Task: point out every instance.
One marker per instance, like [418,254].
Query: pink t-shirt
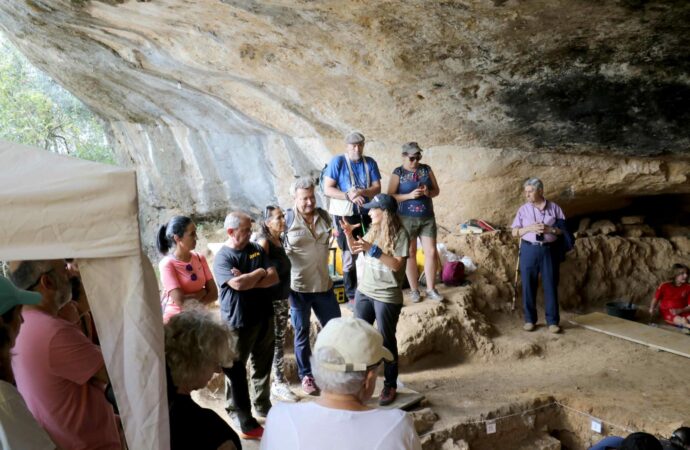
[175,275]
[53,362]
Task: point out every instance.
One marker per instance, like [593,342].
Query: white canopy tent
[55,207]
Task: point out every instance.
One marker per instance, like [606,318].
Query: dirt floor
[567,379]
[473,362]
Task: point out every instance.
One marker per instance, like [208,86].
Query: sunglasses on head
[189,268]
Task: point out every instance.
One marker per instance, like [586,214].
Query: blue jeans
[536,260]
[325,307]
[386,316]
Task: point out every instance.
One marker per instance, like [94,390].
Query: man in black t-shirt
[243,275]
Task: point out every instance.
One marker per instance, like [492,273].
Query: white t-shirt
[18,428]
[309,426]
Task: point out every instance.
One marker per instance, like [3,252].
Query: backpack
[290,217]
[453,273]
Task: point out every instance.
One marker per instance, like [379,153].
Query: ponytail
[162,243]
[175,227]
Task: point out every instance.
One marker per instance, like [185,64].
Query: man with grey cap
[355,178]
[347,355]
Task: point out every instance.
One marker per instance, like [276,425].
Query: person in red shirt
[673,299]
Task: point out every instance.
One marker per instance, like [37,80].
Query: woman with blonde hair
[379,297]
[196,347]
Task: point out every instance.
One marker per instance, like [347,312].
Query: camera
[540,237]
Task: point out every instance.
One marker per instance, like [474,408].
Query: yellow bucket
[335,254]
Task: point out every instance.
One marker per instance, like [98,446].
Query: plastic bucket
[624,310]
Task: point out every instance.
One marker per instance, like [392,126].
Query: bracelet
[375,251]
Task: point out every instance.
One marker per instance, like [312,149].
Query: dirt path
[619,382]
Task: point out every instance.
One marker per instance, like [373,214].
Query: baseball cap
[410,148]
[354,138]
[382,201]
[360,344]
[11,296]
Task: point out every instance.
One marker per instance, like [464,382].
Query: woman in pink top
[184,273]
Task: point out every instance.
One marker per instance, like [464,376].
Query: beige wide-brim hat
[360,344]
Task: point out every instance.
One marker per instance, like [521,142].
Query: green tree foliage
[35,110]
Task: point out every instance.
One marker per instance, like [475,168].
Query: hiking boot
[433,294]
[415,296]
[555,329]
[528,326]
[309,386]
[387,396]
[253,434]
[282,393]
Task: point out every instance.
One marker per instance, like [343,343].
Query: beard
[63,294]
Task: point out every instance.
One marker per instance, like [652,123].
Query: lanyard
[353,183]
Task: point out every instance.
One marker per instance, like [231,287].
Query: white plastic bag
[446,255]
[469,265]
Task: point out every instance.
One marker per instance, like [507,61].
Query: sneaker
[528,326]
[415,296]
[281,392]
[555,329]
[686,330]
[433,294]
[253,434]
[387,396]
[309,386]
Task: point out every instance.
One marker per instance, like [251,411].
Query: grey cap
[354,138]
[410,148]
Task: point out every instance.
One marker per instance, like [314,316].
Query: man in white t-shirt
[345,362]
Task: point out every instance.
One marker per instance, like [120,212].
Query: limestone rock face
[219,104]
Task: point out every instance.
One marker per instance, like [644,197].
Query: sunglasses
[189,268]
[415,158]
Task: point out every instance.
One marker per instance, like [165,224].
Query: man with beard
[306,244]
[355,178]
[59,371]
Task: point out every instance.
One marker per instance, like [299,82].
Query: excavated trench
[474,364]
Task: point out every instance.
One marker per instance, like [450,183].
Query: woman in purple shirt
[535,224]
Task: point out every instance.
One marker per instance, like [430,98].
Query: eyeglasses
[189,268]
[38,280]
[415,158]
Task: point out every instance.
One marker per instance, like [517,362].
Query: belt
[538,244]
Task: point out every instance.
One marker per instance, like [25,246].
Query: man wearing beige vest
[306,244]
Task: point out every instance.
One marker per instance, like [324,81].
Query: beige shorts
[419,226]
